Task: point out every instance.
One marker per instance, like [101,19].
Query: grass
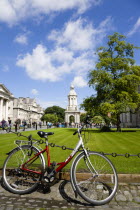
[120,143]
[112,142]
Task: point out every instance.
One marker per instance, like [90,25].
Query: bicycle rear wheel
[20,181]
[94,178]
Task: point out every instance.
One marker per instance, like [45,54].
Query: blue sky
[45,46]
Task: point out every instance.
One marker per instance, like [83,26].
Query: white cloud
[14,11]
[79,82]
[80,34]
[44,65]
[73,52]
[135,28]
[21,39]
[76,35]
[38,64]
[34,92]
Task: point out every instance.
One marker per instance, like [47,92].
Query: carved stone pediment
[5,93]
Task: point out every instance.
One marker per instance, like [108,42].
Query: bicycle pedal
[46,189]
[53,164]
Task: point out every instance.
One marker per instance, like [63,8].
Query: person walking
[40,124]
[24,124]
[3,124]
[9,123]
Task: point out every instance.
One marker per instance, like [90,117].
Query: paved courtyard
[61,196]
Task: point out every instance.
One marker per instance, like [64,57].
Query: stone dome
[72,91]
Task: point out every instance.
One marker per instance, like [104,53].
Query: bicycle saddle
[44,134]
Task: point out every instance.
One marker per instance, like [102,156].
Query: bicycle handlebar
[75,132]
[78,131]
[87,121]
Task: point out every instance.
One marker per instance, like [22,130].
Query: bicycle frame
[60,165]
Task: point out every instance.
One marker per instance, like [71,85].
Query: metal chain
[114,154]
[127,155]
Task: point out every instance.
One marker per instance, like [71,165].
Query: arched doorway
[72,119]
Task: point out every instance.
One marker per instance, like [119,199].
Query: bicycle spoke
[18,180]
[94,179]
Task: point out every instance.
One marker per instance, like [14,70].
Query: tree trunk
[118,123]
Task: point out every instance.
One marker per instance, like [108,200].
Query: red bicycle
[92,174]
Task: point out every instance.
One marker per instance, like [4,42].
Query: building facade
[72,112]
[130,119]
[25,109]
[6,103]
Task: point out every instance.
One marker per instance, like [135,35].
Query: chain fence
[124,163]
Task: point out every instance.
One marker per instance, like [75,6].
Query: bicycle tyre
[17,180]
[95,189]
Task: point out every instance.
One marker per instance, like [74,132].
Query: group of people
[4,124]
[23,124]
[8,124]
[18,124]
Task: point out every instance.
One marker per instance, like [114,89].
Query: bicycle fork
[89,165]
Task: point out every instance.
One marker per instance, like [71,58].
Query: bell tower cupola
[72,100]
[72,109]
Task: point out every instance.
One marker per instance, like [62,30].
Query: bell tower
[72,110]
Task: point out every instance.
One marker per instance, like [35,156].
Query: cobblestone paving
[61,196]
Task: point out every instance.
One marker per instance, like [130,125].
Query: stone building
[131,119]
[27,109]
[18,108]
[6,103]
[72,112]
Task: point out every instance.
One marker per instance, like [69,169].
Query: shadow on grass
[95,130]
[85,130]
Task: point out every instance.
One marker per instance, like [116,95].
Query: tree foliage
[50,118]
[83,117]
[115,78]
[98,120]
[56,110]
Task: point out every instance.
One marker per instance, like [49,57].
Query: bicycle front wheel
[94,178]
[22,180]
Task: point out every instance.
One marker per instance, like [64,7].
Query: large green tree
[115,78]
[56,110]
[50,118]
[83,117]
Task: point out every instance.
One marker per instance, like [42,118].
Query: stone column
[6,110]
[66,117]
[75,116]
[78,118]
[1,109]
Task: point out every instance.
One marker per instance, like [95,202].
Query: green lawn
[113,142]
